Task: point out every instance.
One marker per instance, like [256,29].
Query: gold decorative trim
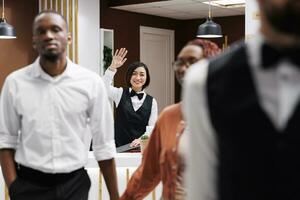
[100,186]
[127,175]
[226,41]
[48,4]
[6,192]
[256,15]
[54,7]
[42,5]
[70,13]
[76,32]
[59,6]
[69,10]
[64,13]
[64,9]
[153,195]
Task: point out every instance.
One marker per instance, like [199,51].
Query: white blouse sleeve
[153,115]
[114,93]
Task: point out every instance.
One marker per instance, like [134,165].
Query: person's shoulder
[171,110]
[233,56]
[19,73]
[81,71]
[170,114]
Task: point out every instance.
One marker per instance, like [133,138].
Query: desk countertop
[122,160]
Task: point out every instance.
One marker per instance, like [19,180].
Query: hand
[135,143]
[11,182]
[119,58]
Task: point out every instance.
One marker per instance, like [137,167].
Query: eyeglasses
[180,63]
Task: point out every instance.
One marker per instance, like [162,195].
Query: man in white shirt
[47,109]
[243,112]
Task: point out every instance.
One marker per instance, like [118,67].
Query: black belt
[45,179]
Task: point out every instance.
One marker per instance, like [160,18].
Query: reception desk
[126,165]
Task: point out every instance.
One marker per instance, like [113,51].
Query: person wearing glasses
[162,160]
[135,109]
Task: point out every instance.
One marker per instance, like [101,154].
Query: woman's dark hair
[131,69]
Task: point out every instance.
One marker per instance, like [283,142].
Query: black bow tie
[139,95]
[271,56]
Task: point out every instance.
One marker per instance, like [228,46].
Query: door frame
[169,78]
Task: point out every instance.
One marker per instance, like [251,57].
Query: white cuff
[110,73]
[105,151]
[8,141]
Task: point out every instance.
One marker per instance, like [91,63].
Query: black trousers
[35,185]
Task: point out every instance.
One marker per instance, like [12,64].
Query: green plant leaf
[107,52]
[144,137]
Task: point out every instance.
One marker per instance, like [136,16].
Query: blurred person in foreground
[243,113]
[54,104]
[161,159]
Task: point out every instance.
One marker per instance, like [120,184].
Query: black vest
[256,162]
[130,124]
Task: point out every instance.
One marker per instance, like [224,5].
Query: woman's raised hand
[119,58]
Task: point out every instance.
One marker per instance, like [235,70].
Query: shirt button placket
[53,124]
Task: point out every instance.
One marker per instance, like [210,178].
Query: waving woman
[135,109]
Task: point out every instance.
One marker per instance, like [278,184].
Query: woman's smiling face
[138,79]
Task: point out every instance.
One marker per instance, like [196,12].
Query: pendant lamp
[209,29]
[6,31]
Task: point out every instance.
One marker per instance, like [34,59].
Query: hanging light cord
[2,9]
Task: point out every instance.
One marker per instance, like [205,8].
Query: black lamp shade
[6,30]
[209,29]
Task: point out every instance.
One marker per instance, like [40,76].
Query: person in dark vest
[243,111]
[135,109]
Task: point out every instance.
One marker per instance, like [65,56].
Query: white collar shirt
[49,121]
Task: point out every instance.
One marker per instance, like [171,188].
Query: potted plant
[143,142]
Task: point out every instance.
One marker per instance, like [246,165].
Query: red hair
[209,48]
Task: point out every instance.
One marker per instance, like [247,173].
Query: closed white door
[157,52]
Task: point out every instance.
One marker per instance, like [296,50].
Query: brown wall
[18,52]
[233,27]
[126,32]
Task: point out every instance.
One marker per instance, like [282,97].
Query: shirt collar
[143,91]
[37,70]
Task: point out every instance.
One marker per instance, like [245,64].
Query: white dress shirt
[278,92]
[115,95]
[55,116]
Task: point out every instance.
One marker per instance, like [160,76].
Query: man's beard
[285,19]
[51,57]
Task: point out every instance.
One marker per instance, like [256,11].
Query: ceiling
[181,9]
